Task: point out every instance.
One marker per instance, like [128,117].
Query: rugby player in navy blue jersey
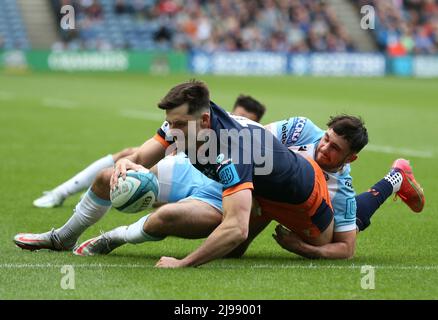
[290,188]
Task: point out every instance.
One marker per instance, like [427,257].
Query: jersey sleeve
[344,206]
[295,131]
[234,168]
[162,135]
[234,176]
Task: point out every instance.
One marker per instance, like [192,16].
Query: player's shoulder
[245,122]
[295,130]
[345,173]
[221,119]
[342,194]
[342,181]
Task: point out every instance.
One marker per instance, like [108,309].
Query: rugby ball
[137,192]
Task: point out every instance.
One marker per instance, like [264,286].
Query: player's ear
[205,120]
[352,158]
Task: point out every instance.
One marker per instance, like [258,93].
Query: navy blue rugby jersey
[243,155]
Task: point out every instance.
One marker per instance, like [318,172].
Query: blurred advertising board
[72,61]
[269,63]
[425,66]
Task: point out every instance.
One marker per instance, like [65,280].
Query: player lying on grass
[163,222]
[290,188]
[244,106]
[189,193]
[335,161]
[334,150]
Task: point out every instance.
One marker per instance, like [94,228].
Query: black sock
[368,202]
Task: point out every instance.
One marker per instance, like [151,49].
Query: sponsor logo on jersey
[227,172]
[296,130]
[284,133]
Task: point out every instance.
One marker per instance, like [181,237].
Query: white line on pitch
[138,114]
[400,151]
[259,266]
[59,103]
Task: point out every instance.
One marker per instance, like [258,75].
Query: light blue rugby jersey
[301,135]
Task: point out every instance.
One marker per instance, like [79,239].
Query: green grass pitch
[53,125]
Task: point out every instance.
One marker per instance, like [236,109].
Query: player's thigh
[197,210]
[188,217]
[124,153]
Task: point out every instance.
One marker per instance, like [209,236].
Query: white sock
[395,178]
[87,212]
[132,234]
[85,178]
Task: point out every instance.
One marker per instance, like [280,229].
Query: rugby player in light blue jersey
[301,135]
[334,150]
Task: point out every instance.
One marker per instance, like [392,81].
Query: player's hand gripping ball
[136,193]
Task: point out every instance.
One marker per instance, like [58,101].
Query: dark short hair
[195,93]
[251,105]
[352,129]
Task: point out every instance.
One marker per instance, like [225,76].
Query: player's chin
[321,160]
[324,164]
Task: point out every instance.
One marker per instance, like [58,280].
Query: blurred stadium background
[313,37]
[68,97]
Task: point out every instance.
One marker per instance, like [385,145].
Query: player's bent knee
[103,178]
[167,214]
[164,219]
[101,184]
[154,226]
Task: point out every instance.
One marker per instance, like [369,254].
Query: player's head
[344,139]
[246,106]
[188,102]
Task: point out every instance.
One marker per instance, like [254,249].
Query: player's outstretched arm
[232,231]
[147,156]
[149,153]
[342,246]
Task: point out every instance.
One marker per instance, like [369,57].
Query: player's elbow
[344,251]
[348,252]
[238,234]
[241,234]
